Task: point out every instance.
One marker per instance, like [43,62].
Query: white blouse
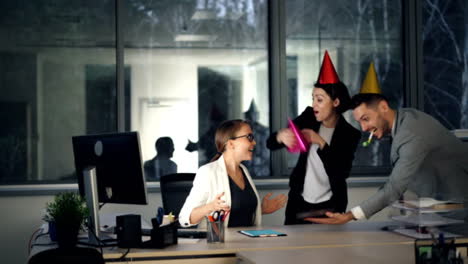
[211,180]
[316,183]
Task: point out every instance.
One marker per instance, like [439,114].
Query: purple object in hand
[301,143]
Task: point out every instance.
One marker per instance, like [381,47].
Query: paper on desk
[411,232]
[183,240]
[428,205]
[44,227]
[426,219]
[461,133]
[424,202]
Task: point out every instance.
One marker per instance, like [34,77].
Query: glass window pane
[57,77]
[355,33]
[445,58]
[194,64]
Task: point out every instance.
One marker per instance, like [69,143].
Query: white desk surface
[299,237]
[351,254]
[357,240]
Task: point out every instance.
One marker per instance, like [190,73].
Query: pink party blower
[301,143]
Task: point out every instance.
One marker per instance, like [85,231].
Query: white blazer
[211,180]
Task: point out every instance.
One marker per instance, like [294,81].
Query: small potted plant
[68,211]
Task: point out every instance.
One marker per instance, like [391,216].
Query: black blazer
[337,157]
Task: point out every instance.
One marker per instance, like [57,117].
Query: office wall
[157,101]
[164,88]
[62,85]
[21,216]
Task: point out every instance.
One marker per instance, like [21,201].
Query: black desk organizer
[162,236]
[440,251]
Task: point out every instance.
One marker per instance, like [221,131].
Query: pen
[160,215]
[171,217]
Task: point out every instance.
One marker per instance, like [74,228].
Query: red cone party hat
[327,72]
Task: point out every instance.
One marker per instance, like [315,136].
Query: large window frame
[411,61]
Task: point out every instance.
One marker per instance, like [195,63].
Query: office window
[57,79]
[187,65]
[445,58]
[355,33]
[194,64]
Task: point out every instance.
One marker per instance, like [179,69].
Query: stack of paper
[411,232]
[430,203]
[426,220]
[461,133]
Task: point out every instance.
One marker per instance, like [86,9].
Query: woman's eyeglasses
[250,137]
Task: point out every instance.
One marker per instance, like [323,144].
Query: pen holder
[215,231]
[163,236]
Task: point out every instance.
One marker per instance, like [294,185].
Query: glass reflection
[354,33]
[195,64]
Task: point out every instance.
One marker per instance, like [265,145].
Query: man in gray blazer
[427,159]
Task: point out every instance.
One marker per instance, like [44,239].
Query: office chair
[174,190]
[75,255]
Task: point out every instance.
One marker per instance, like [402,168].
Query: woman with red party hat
[318,182]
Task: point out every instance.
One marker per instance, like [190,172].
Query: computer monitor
[117,160]
[108,168]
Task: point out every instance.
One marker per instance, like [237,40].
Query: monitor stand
[92,201]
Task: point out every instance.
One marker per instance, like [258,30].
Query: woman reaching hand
[225,184]
[318,182]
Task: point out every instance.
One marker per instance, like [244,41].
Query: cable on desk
[30,239]
[43,234]
[95,246]
[124,255]
[44,244]
[100,243]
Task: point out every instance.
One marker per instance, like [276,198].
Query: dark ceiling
[157,23]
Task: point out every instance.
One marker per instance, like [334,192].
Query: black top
[243,204]
[337,159]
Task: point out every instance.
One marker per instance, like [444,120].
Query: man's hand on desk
[333,218]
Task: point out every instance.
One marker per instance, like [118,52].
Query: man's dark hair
[370,99]
[164,145]
[337,90]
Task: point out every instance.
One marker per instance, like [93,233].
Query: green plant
[68,209]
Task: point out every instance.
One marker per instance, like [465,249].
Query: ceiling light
[195,37]
[205,14]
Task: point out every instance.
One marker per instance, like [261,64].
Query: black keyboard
[145,232]
[191,233]
[186,233]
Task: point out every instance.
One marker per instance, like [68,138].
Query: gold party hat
[371,82]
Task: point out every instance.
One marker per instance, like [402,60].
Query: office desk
[353,238]
[382,253]
[350,254]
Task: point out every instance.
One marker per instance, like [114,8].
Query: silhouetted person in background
[161,164]
[204,146]
[259,166]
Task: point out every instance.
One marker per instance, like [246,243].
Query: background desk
[361,241]
[402,253]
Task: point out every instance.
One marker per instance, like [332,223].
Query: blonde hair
[224,132]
